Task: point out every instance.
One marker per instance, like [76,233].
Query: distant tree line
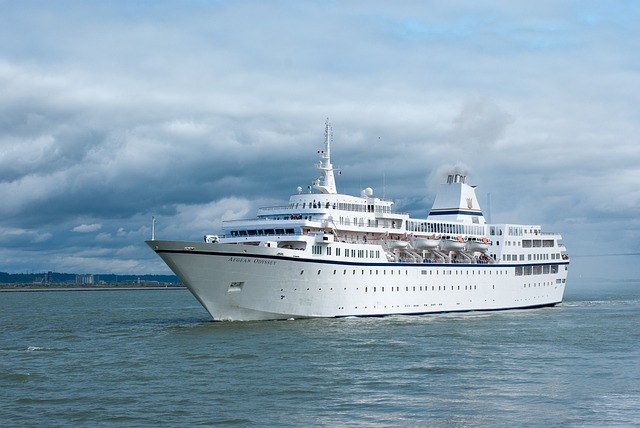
[108,278]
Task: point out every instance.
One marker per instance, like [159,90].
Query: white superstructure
[327,254]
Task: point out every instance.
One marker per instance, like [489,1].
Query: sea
[155,358]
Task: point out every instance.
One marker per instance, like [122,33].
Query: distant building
[46,279]
[86,279]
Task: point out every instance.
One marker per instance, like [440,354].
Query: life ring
[484,240]
[460,238]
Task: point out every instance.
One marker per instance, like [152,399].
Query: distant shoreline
[72,287]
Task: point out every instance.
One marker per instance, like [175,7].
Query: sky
[201,111]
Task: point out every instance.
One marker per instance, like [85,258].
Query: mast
[326,183]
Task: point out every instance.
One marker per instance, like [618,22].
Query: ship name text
[255,261]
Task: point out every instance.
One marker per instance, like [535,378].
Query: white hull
[239,282]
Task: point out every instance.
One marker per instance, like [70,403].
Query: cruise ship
[327,254]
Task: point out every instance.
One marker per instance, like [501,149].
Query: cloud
[203,111]
[480,124]
[86,228]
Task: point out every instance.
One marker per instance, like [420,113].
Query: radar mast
[326,183]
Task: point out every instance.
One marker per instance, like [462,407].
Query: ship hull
[242,282]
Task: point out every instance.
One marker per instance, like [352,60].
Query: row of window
[409,288]
[360,254]
[537,243]
[531,243]
[346,221]
[426,288]
[451,228]
[540,284]
[515,230]
[343,206]
[361,222]
[422,272]
[530,257]
[262,232]
[536,270]
[440,287]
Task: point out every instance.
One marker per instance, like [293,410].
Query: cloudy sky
[200,111]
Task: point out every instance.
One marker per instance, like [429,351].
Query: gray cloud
[199,111]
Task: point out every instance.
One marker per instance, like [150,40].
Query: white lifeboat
[452,243]
[478,244]
[425,243]
[397,244]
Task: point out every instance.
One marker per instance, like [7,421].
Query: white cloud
[86,228]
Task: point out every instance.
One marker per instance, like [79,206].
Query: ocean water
[153,358]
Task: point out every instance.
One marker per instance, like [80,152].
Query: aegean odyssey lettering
[255,261]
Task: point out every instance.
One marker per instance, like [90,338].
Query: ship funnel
[456,201]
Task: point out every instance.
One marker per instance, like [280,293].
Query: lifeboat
[425,243]
[452,243]
[477,244]
[397,244]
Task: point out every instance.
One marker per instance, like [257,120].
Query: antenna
[384,175]
[153,228]
[326,183]
[384,184]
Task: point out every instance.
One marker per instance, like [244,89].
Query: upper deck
[454,230]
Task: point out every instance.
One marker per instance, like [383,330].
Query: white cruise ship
[327,254]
